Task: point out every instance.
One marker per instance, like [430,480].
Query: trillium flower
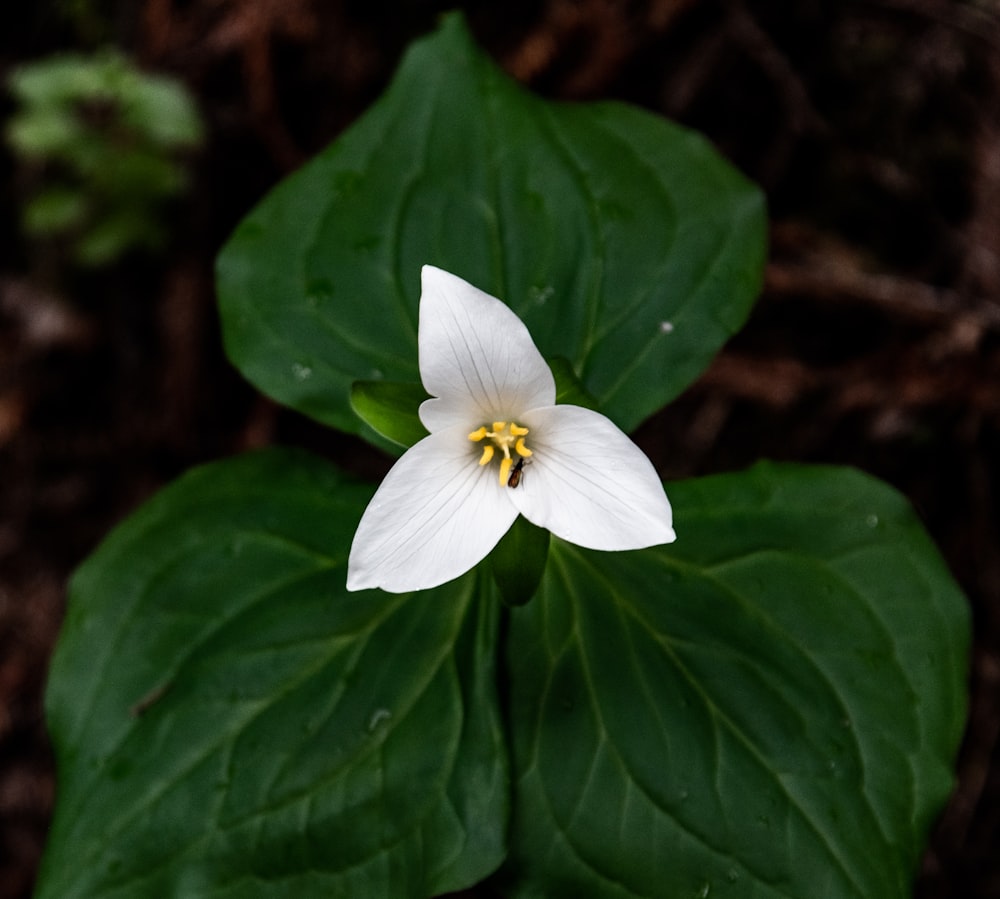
[498,447]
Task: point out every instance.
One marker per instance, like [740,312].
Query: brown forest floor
[873,126]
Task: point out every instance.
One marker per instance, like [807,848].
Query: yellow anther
[509,439]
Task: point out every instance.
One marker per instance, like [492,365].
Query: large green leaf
[230,722]
[767,708]
[623,241]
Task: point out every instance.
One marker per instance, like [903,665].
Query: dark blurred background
[874,128]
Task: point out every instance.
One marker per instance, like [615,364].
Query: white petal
[476,356]
[589,484]
[436,515]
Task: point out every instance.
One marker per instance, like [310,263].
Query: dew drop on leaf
[540,295]
[379,716]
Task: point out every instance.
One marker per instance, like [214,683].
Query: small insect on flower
[515,474]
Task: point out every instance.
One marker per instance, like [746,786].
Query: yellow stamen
[508,438]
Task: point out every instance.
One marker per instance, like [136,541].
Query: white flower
[498,447]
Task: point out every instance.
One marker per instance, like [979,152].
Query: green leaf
[55,209]
[229,721]
[390,409]
[60,80]
[767,708]
[43,133]
[518,561]
[114,234]
[624,242]
[569,390]
[163,111]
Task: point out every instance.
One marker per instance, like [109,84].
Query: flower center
[505,436]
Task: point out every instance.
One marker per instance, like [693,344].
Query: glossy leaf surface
[389,408]
[230,722]
[767,708]
[625,243]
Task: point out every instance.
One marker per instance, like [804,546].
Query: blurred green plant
[103,144]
